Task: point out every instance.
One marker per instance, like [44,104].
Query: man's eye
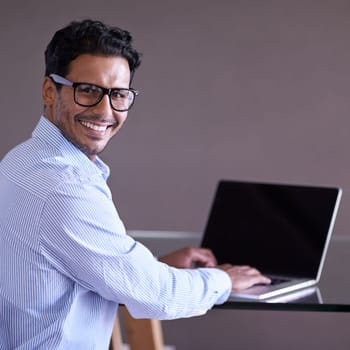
[88,89]
[120,94]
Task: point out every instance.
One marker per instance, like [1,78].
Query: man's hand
[190,257]
[243,277]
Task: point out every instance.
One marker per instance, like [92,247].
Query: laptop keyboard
[275,281]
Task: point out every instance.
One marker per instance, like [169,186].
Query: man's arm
[83,238]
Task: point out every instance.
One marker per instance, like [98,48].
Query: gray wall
[230,89]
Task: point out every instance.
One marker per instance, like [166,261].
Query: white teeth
[94,126]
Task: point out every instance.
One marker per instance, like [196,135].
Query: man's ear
[48,92]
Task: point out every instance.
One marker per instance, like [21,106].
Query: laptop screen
[279,229]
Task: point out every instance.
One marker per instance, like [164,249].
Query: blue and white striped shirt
[66,261]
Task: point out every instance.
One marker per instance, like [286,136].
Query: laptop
[283,230]
[308,295]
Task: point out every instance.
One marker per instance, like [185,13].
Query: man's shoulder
[38,167]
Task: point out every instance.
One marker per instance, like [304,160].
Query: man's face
[88,128]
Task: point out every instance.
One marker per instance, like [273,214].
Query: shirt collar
[49,133]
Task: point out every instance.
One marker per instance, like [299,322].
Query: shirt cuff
[222,285]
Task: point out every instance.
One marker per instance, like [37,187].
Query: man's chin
[89,151]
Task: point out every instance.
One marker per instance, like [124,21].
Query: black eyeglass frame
[57,79]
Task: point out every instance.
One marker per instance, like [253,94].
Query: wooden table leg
[145,334]
[116,340]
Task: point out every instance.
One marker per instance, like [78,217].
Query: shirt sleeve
[84,239]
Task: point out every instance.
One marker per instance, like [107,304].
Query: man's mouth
[95,127]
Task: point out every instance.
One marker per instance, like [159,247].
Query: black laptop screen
[279,229]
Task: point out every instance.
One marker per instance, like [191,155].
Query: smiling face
[88,128]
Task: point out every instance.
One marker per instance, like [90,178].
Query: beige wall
[230,89]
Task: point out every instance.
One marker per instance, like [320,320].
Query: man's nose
[104,106]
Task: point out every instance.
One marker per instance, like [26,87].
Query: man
[66,261]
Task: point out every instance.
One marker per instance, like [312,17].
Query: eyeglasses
[89,95]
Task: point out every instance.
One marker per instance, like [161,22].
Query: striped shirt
[66,261]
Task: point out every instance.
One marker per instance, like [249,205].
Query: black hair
[88,37]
